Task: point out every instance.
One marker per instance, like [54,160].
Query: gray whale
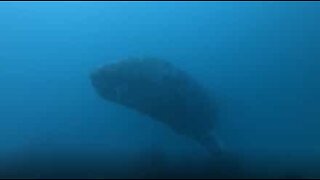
[161,91]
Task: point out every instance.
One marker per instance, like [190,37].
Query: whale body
[160,90]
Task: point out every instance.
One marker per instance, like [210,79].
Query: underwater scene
[150,89]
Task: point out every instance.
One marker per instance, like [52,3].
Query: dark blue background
[259,59]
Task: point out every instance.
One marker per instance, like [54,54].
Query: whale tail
[224,163]
[213,145]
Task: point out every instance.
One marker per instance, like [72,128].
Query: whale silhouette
[163,92]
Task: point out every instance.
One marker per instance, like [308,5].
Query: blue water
[260,60]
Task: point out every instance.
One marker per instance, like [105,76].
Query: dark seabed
[259,61]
